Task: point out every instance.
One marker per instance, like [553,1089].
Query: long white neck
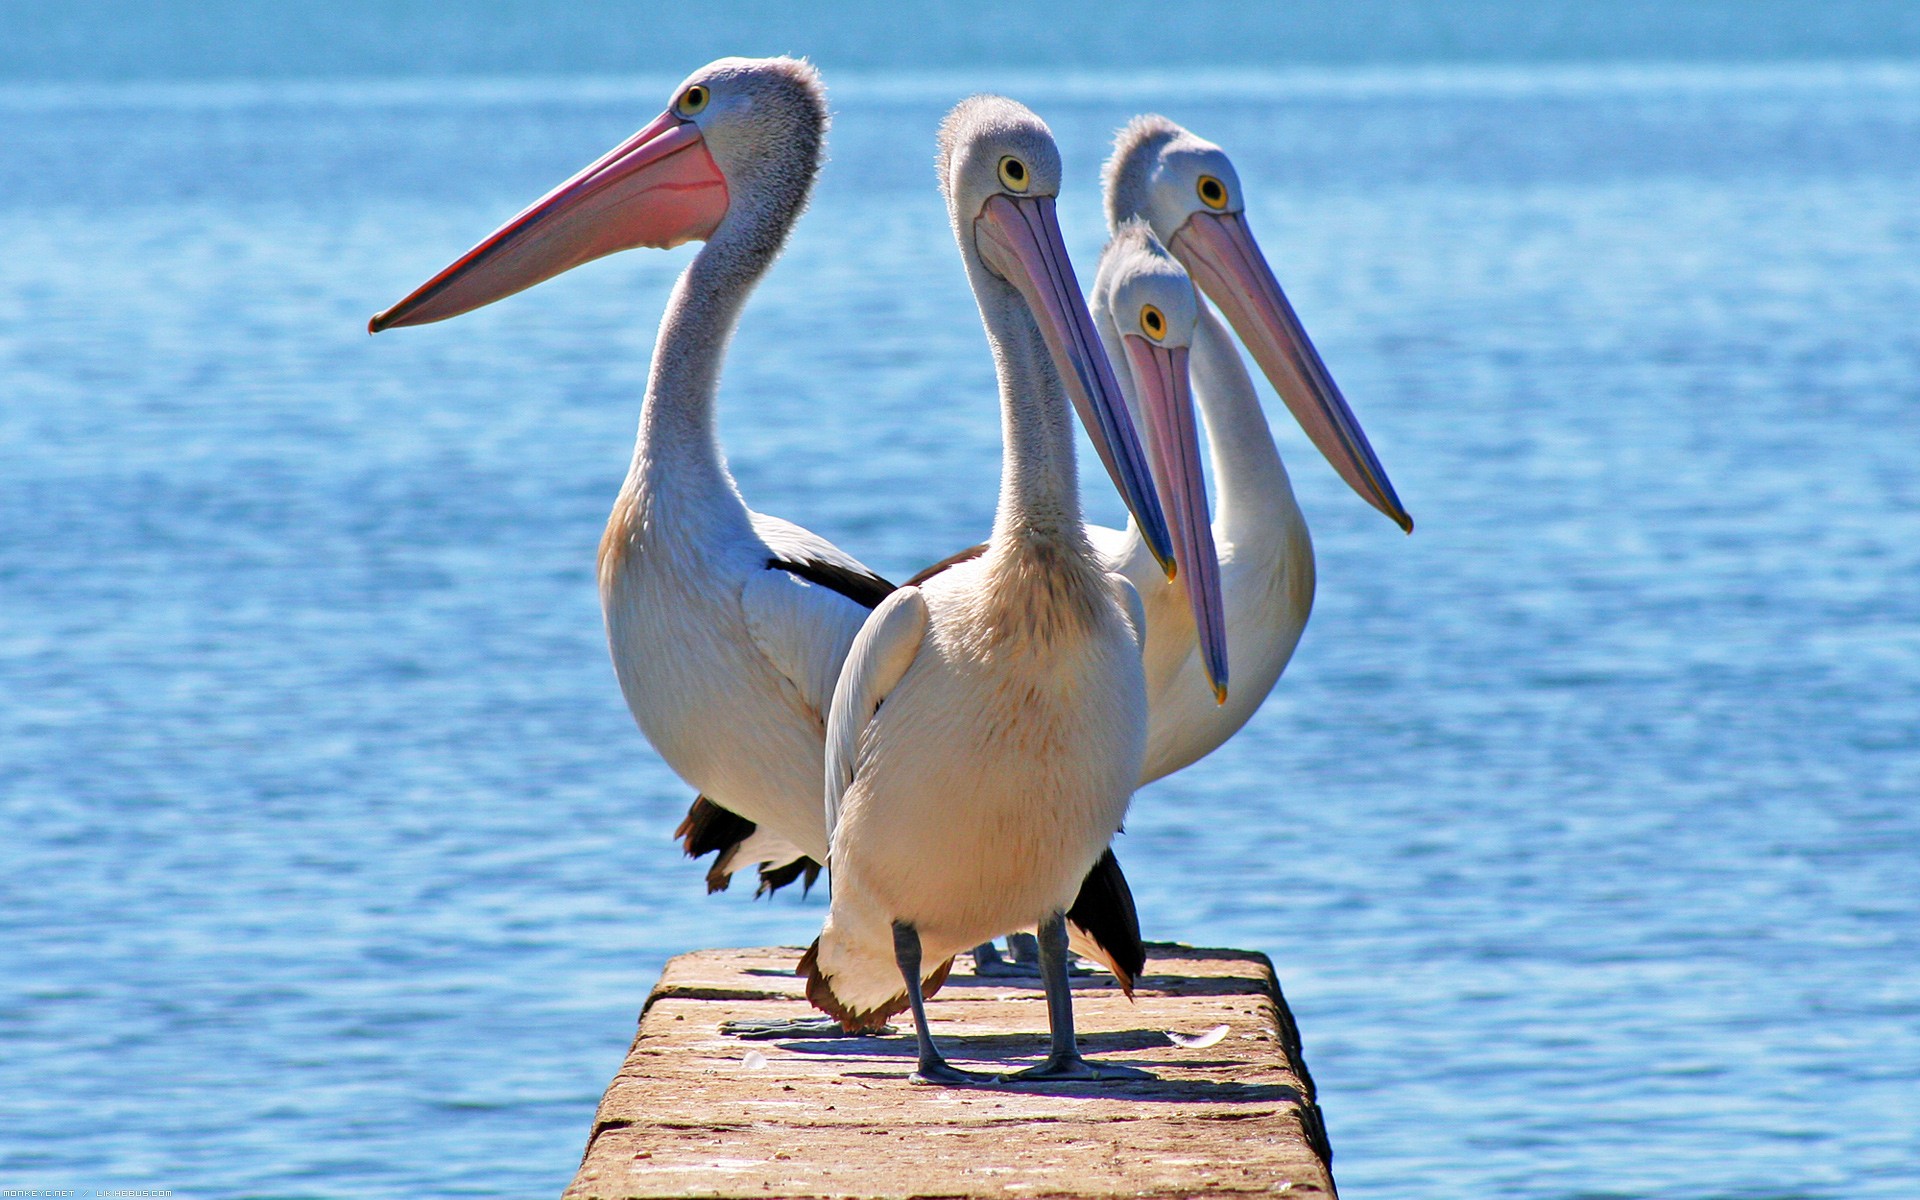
[676,456]
[1039,484]
[1251,487]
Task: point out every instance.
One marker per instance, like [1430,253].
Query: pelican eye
[1153,322]
[1213,193]
[1014,174]
[694,100]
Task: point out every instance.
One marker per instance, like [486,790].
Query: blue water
[1582,828]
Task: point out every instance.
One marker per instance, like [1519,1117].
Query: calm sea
[1583,829]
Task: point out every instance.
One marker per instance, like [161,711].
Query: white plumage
[978,798]
[1265,554]
[1184,190]
[725,635]
[989,725]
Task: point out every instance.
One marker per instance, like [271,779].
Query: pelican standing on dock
[1187,191]
[727,627]
[1168,189]
[988,728]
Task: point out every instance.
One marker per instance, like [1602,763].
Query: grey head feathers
[1129,170]
[975,136]
[1133,247]
[1136,269]
[766,128]
[977,116]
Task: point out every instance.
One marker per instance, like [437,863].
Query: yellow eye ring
[1014,174]
[694,100]
[1213,193]
[1153,322]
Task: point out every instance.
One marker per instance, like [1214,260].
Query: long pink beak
[1166,399]
[1219,251]
[660,188]
[1019,238]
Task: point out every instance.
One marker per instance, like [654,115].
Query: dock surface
[696,1113]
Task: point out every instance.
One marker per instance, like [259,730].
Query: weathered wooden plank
[695,1113]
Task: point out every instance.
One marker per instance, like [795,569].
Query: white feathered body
[993,773]
[727,665]
[1267,588]
[1266,571]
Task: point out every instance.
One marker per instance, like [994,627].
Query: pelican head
[1000,172]
[1186,189]
[732,158]
[1145,303]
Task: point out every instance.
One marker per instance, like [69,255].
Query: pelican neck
[1250,482]
[678,447]
[1039,483]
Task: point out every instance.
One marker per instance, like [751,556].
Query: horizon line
[1489,80]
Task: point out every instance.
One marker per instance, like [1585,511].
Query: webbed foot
[1074,1069]
[941,1073]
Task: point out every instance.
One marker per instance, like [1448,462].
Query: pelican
[1165,186]
[727,627]
[1187,194]
[989,725]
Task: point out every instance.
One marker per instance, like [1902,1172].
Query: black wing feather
[862,587]
[708,828]
[1104,909]
[951,560]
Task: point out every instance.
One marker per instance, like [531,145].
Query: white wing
[880,656]
[792,541]
[804,627]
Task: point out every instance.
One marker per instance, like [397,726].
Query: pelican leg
[1064,1063]
[932,1067]
[1025,949]
[1024,963]
[988,963]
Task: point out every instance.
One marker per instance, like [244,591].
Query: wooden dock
[696,1113]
